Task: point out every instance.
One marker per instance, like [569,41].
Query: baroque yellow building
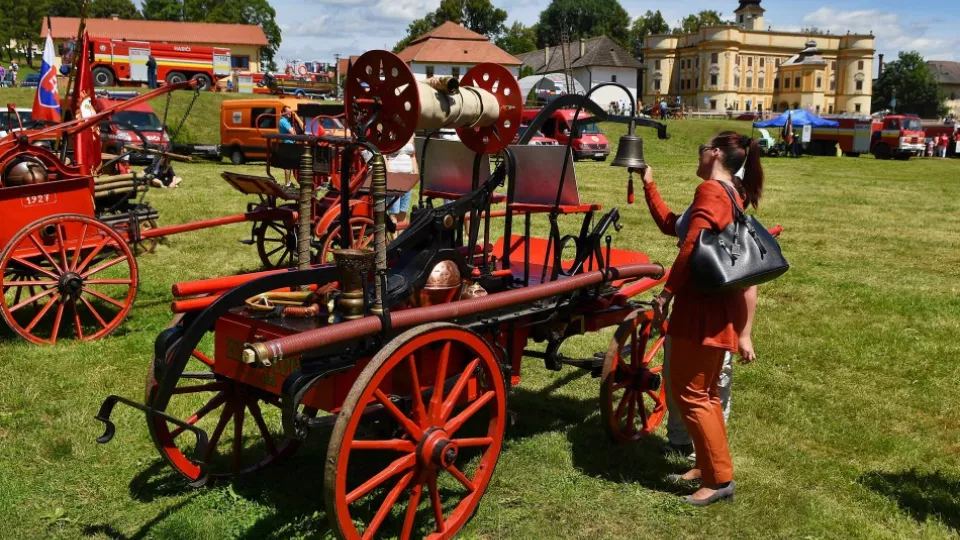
[744,67]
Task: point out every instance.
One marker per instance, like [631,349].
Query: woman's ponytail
[741,156]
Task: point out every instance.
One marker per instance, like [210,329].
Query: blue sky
[316,29]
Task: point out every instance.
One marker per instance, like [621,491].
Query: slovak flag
[46,105]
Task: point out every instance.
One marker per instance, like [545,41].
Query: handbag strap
[739,216]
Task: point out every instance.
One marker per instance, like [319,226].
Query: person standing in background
[942,143]
[151,72]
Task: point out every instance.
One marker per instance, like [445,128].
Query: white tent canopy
[551,82]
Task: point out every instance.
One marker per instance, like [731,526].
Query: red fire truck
[893,136]
[120,62]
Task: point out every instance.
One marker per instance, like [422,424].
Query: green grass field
[845,427]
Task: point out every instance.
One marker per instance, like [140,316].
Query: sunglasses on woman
[705,147]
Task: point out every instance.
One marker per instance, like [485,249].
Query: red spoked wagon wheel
[633,397]
[361,237]
[444,444]
[244,424]
[66,274]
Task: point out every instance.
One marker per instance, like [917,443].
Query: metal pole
[305,208]
[378,187]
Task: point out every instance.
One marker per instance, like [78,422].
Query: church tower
[750,15]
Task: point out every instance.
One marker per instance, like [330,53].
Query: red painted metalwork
[265,215]
[497,80]
[381,78]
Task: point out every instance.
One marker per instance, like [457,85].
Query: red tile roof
[454,44]
[174,32]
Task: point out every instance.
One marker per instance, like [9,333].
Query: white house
[592,62]
[451,49]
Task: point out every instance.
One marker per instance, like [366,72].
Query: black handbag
[743,254]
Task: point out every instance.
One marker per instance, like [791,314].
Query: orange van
[242,141]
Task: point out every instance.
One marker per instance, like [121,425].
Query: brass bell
[630,152]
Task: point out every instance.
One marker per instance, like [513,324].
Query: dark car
[32,80]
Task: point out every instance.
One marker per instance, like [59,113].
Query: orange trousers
[694,378]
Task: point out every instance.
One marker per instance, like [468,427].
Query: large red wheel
[382,77]
[497,80]
[66,274]
[361,236]
[633,397]
[442,443]
[244,424]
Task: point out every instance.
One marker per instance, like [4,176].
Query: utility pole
[336,80]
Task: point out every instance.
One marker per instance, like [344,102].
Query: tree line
[574,19]
[21,20]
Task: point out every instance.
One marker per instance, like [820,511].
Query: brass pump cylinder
[378,188]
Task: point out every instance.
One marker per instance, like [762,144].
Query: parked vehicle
[121,129]
[590,142]
[119,62]
[894,136]
[244,122]
[312,84]
[539,139]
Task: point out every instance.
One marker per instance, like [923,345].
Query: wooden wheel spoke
[656,369]
[622,405]
[419,411]
[643,411]
[408,425]
[435,503]
[212,405]
[46,254]
[387,505]
[43,311]
[397,445]
[34,267]
[92,255]
[56,322]
[398,466]
[103,266]
[453,425]
[411,513]
[462,478]
[209,387]
[29,283]
[76,255]
[104,297]
[473,442]
[262,426]
[61,243]
[108,282]
[94,312]
[238,437]
[457,390]
[76,321]
[436,400]
[270,254]
[225,416]
[32,299]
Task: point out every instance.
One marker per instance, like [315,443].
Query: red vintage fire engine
[120,62]
[894,136]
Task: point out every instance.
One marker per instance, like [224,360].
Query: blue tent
[798,118]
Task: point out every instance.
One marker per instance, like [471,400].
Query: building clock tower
[750,15]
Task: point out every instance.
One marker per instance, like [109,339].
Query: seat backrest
[448,166]
[538,175]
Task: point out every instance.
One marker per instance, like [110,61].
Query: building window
[860,65]
[819,82]
[698,82]
[763,62]
[736,59]
[714,58]
[750,61]
[856,107]
[830,109]
[713,104]
[796,83]
[713,79]
[786,83]
[429,71]
[833,84]
[455,72]
[656,84]
[656,64]
[736,81]
[613,78]
[777,62]
[698,61]
[859,86]
[953,96]
[263,117]
[796,105]
[749,81]
[776,83]
[833,65]
[240,62]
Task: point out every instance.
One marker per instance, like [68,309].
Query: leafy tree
[21,20]
[104,9]
[691,24]
[257,12]
[163,10]
[583,20]
[518,39]
[913,83]
[479,16]
[649,23]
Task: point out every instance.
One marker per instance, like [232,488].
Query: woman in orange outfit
[704,327]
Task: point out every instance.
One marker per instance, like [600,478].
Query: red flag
[86,144]
[788,129]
